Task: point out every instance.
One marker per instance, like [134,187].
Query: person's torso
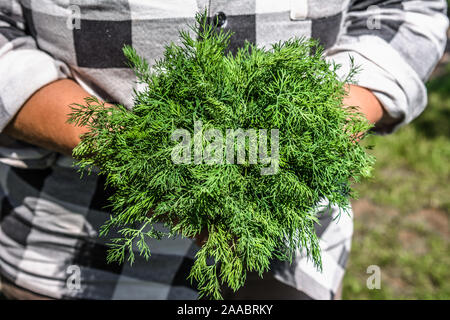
[89,35]
[55,215]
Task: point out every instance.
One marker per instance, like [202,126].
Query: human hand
[200,239]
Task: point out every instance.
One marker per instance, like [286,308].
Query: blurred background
[402,214]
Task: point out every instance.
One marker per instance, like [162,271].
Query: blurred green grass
[402,215]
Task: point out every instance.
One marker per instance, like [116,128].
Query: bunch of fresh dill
[251,218]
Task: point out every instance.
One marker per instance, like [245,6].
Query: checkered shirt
[49,217]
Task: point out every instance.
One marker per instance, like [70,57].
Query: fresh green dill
[250,218]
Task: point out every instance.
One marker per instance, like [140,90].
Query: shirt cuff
[383,71]
[23,72]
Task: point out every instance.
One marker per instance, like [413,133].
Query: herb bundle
[250,218]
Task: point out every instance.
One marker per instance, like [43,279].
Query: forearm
[365,102]
[42,120]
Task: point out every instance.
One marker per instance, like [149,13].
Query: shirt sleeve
[396,44]
[24,68]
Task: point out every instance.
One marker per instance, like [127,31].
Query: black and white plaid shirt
[50,218]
